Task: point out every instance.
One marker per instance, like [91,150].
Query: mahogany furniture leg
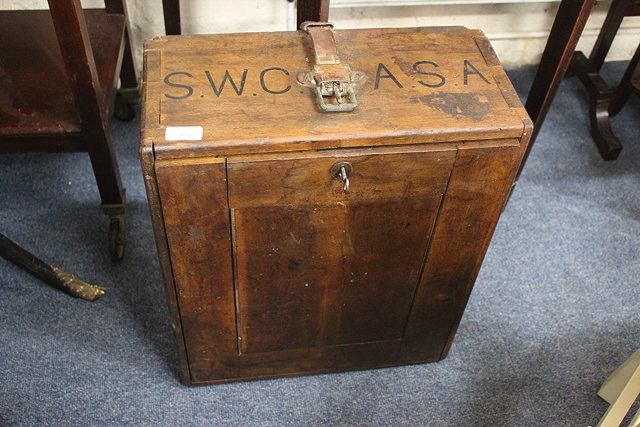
[50,274]
[313,10]
[563,38]
[128,77]
[630,82]
[129,92]
[308,10]
[603,101]
[171,11]
[608,144]
[77,54]
[608,32]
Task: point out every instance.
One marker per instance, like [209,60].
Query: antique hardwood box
[320,210]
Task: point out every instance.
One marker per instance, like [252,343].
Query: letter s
[440,76]
[169,83]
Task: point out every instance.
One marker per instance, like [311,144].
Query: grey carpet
[554,311]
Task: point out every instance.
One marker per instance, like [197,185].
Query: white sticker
[183,133]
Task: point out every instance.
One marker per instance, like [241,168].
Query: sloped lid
[242,93]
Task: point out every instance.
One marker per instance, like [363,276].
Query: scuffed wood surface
[422,85]
[275,269]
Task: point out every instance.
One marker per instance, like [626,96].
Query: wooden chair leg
[603,101]
[171,11]
[565,33]
[129,92]
[313,10]
[616,13]
[600,94]
[73,38]
[621,389]
[627,84]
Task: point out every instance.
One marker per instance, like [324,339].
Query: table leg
[563,38]
[617,11]
[603,101]
[628,83]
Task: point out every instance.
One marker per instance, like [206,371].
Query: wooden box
[272,266]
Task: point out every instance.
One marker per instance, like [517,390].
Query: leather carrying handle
[331,77]
[324,45]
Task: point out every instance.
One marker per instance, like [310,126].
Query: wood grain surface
[421,85]
[37,94]
[318,275]
[276,270]
[196,221]
[480,183]
[307,178]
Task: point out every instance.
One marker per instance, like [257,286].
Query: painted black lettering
[439,76]
[388,75]
[169,83]
[467,66]
[226,77]
[264,87]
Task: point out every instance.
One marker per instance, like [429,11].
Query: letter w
[226,77]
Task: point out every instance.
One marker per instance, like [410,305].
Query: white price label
[183,133]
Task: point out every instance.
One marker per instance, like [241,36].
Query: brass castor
[116,238]
[123,108]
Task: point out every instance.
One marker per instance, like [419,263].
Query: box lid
[245,93]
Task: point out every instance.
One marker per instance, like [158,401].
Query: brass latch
[331,78]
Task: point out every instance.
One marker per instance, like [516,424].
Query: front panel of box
[319,266]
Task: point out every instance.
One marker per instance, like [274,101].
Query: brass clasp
[340,90]
[331,78]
